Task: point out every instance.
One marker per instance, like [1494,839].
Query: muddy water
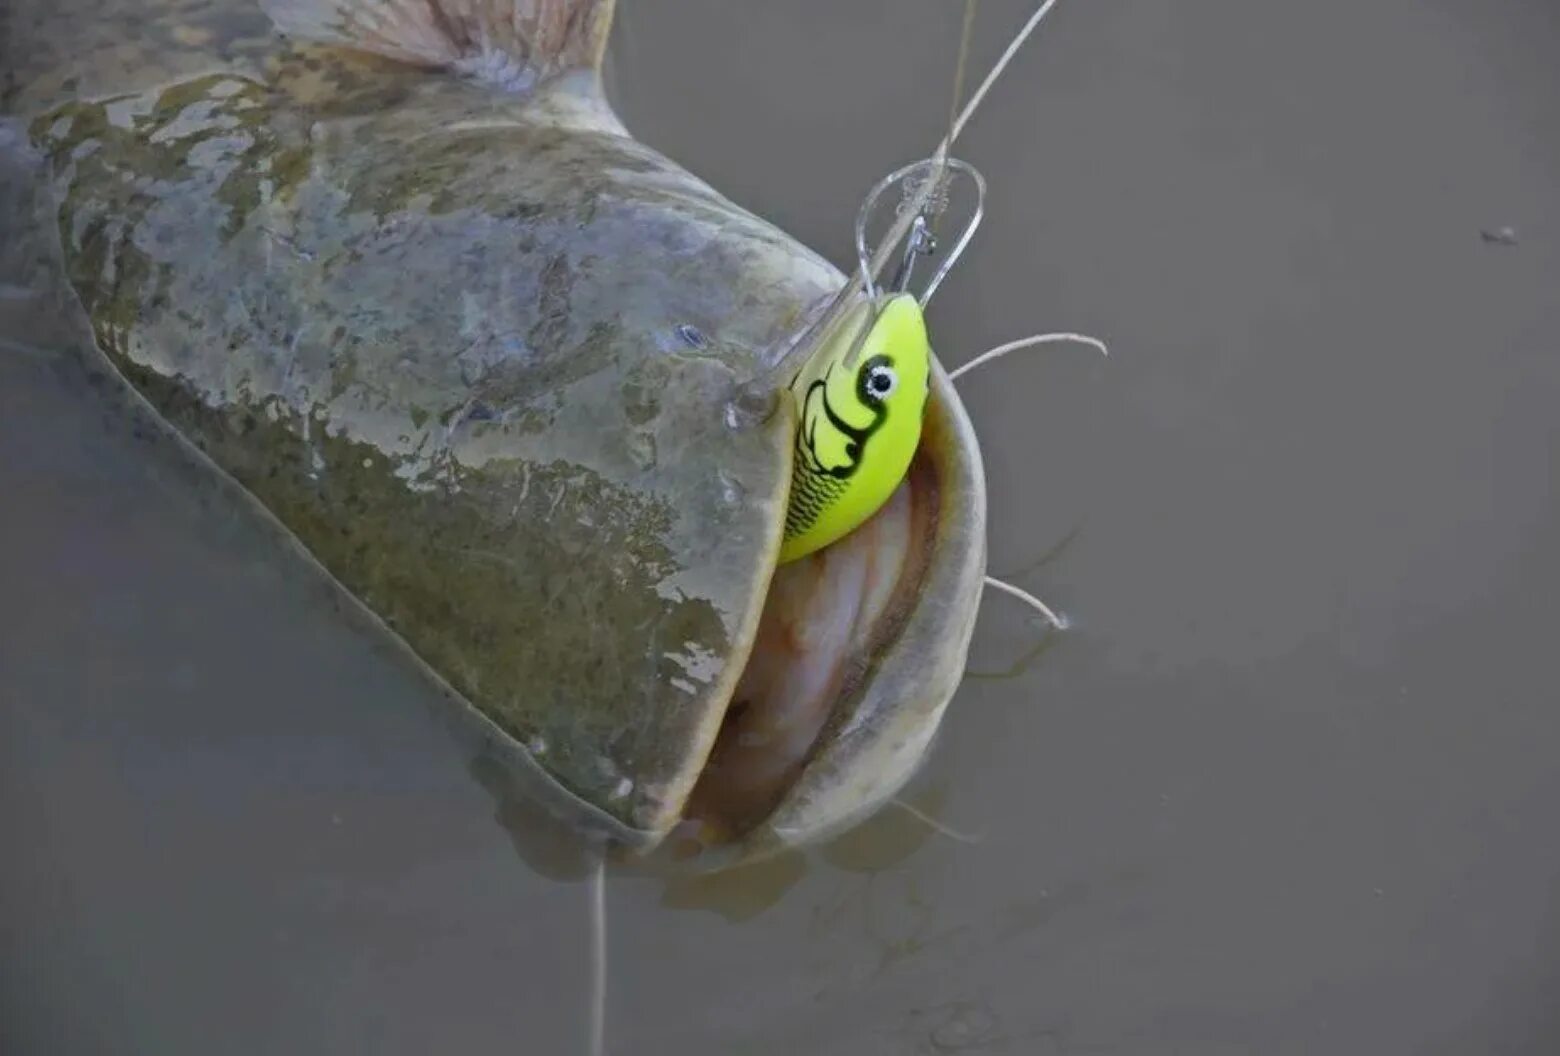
[1287,786]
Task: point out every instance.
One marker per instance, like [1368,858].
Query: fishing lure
[857,428]
[861,397]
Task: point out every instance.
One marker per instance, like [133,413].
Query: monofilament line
[1056,621]
[598,955]
[985,86]
[932,823]
[966,34]
[779,373]
[901,226]
[1027,342]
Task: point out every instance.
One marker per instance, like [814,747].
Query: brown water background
[1290,785]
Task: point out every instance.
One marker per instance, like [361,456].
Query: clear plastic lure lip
[926,186]
[760,395]
[921,242]
[926,193]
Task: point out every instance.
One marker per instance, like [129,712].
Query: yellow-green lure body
[858,424]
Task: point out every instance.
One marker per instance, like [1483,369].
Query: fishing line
[597,892]
[966,33]
[932,823]
[755,400]
[902,225]
[985,86]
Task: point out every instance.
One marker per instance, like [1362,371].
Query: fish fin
[513,43]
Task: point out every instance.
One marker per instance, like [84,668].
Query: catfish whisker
[1027,342]
[1059,622]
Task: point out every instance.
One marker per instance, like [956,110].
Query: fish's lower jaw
[824,619]
[860,650]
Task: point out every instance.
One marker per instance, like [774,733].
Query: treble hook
[921,242]
[918,176]
[755,399]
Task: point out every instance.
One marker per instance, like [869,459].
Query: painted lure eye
[878,381]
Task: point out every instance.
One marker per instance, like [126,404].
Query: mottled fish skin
[475,351]
[442,334]
[55,51]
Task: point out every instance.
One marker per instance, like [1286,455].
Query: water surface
[1288,786]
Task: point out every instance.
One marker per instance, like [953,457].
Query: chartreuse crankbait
[862,394]
[857,425]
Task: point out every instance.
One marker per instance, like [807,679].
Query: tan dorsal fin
[514,43]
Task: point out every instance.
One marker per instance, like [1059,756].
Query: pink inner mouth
[826,617]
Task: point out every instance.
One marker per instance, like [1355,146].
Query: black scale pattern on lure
[815,487]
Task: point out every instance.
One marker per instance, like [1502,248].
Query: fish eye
[878,379]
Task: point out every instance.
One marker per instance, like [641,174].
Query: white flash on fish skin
[194,118]
[537,744]
[698,663]
[563,487]
[121,113]
[641,448]
[622,788]
[692,336]
[731,490]
[496,67]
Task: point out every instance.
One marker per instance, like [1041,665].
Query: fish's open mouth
[858,649]
[826,617]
